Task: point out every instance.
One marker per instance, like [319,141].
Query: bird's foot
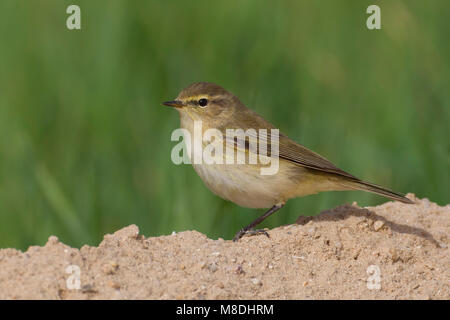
[250,232]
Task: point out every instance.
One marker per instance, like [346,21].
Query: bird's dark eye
[203,102]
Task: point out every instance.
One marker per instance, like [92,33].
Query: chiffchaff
[300,171]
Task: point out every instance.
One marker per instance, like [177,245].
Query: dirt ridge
[392,251]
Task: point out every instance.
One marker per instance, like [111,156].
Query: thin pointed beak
[174,103]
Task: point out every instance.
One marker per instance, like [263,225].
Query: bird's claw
[250,232]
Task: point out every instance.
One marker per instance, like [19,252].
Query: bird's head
[205,100]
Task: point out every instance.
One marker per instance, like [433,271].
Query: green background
[85,144]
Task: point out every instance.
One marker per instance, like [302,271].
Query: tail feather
[370,187]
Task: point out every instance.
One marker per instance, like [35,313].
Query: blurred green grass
[85,145]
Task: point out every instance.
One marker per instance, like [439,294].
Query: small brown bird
[299,171]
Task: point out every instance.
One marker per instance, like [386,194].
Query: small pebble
[212,267]
[114,285]
[239,270]
[110,268]
[378,225]
[53,239]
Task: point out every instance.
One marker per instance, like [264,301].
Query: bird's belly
[243,184]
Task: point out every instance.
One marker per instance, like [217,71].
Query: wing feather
[288,149]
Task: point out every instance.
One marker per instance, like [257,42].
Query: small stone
[212,267]
[429,267]
[256,282]
[114,285]
[378,225]
[239,269]
[53,239]
[88,288]
[394,255]
[356,254]
[130,232]
[110,268]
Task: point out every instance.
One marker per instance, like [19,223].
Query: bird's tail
[370,187]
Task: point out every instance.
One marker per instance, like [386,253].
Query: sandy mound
[393,251]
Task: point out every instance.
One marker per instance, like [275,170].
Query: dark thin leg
[249,228]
